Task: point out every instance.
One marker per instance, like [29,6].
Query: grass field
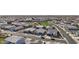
[2,40]
[44,23]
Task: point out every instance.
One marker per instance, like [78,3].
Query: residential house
[52,32]
[15,40]
[40,31]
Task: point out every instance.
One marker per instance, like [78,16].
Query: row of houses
[72,27]
[21,40]
[11,27]
[22,18]
[26,24]
[38,30]
[41,31]
[14,26]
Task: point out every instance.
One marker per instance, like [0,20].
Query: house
[20,24]
[71,27]
[40,31]
[2,22]
[8,27]
[52,32]
[28,19]
[29,30]
[18,28]
[39,18]
[19,18]
[15,40]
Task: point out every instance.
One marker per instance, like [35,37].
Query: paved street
[69,39]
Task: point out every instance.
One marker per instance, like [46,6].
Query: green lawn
[44,23]
[2,40]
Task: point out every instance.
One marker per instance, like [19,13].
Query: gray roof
[20,23]
[14,39]
[72,27]
[2,22]
[52,31]
[40,30]
[19,27]
[8,26]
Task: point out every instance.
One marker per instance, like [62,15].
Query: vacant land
[44,23]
